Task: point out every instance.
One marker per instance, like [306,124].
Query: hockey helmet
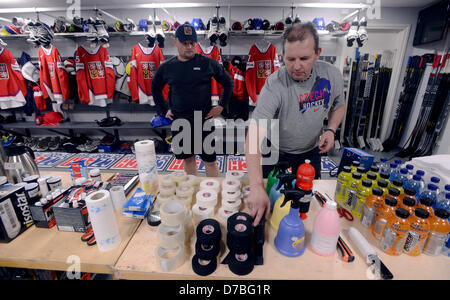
[320,23]
[236,26]
[266,24]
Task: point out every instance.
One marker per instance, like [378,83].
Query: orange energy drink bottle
[383,184]
[351,193]
[418,232]
[342,182]
[364,192]
[394,193]
[398,184]
[373,203]
[395,232]
[387,212]
[408,192]
[440,227]
[427,204]
[355,165]
[409,204]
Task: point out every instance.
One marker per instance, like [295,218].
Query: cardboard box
[74,219]
[43,215]
[351,154]
[15,215]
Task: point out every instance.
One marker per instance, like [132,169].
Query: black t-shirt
[189,85]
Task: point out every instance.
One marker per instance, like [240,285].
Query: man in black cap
[189,77]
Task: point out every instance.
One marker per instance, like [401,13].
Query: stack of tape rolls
[191,181]
[240,259]
[161,199]
[103,220]
[179,176]
[245,193]
[207,247]
[184,194]
[231,200]
[236,175]
[210,184]
[147,166]
[206,201]
[231,185]
[172,235]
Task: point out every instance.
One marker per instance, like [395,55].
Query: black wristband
[329,129]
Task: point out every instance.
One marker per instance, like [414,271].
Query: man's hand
[214,112]
[169,115]
[326,142]
[259,204]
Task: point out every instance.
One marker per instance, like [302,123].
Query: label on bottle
[338,188]
[323,243]
[379,226]
[369,215]
[435,243]
[412,241]
[352,197]
[388,239]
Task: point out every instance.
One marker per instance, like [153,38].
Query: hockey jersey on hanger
[53,78]
[95,76]
[13,88]
[239,90]
[214,53]
[144,63]
[260,64]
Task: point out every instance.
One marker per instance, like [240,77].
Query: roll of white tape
[118,197]
[231,204]
[167,191]
[185,191]
[231,195]
[170,236]
[210,184]
[206,198]
[186,200]
[237,175]
[173,213]
[162,199]
[224,214]
[200,213]
[103,220]
[170,259]
[231,185]
[192,181]
[179,176]
[167,181]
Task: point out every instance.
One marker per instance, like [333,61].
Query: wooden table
[42,248]
[139,261]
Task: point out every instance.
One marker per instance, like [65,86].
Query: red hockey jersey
[53,77]
[13,88]
[260,64]
[95,76]
[144,63]
[216,88]
[239,90]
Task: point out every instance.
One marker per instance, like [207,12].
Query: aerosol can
[290,239]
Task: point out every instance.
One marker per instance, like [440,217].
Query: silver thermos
[19,163]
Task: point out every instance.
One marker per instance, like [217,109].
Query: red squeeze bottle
[305,177]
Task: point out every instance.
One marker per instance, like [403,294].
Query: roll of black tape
[239,246]
[208,232]
[203,267]
[239,216]
[207,252]
[239,232]
[241,264]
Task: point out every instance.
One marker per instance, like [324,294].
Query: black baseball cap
[186,32]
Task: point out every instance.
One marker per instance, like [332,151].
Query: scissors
[343,213]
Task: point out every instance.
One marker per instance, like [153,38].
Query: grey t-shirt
[300,107]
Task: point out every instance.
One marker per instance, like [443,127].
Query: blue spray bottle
[290,239]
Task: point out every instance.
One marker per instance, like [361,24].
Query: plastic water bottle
[415,183]
[393,171]
[445,203]
[403,175]
[410,168]
[398,162]
[430,192]
[421,173]
[384,167]
[441,195]
[435,180]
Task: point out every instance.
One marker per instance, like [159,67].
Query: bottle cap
[409,201]
[390,201]
[361,170]
[382,183]
[398,161]
[410,191]
[347,169]
[420,172]
[447,187]
[435,179]
[383,159]
[404,171]
[372,176]
[377,192]
[417,177]
[331,204]
[367,183]
[356,163]
[442,213]
[426,201]
[43,201]
[421,213]
[94,172]
[409,167]
[432,187]
[397,182]
[402,213]
[384,175]
[374,169]
[356,175]
[447,196]
[394,192]
[393,165]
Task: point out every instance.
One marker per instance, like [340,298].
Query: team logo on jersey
[318,98]
[148,69]
[263,68]
[51,69]
[4,72]
[96,70]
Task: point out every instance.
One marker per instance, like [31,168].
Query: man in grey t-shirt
[301,94]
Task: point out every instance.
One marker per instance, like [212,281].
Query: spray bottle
[272,179]
[274,192]
[305,177]
[278,211]
[290,239]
